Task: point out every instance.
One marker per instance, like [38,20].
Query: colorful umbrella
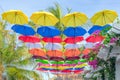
[53,46]
[34,45]
[31,39]
[54,53]
[71,62]
[86,51]
[104,17]
[89,45]
[15,17]
[95,38]
[72,46]
[46,31]
[74,19]
[73,40]
[63,67]
[40,57]
[57,58]
[23,29]
[72,52]
[95,28]
[55,39]
[74,31]
[42,61]
[44,18]
[100,28]
[57,62]
[37,52]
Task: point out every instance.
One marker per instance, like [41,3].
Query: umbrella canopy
[71,62]
[72,52]
[74,31]
[57,58]
[89,45]
[57,62]
[44,18]
[15,17]
[95,38]
[74,19]
[39,57]
[31,39]
[53,46]
[104,17]
[86,51]
[72,46]
[100,28]
[34,45]
[94,28]
[54,53]
[23,29]
[55,39]
[48,31]
[42,61]
[73,40]
[37,52]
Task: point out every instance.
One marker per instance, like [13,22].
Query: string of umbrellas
[51,51]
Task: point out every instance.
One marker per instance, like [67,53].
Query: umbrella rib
[104,21]
[109,18]
[20,19]
[97,19]
[44,18]
[38,19]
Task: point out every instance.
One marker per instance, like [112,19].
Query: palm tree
[14,60]
[57,11]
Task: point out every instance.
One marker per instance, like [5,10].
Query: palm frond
[57,11]
[22,74]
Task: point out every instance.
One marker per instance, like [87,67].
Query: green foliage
[57,11]
[15,59]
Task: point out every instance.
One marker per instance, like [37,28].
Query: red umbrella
[74,39]
[56,39]
[95,38]
[32,39]
[66,71]
[77,71]
[54,71]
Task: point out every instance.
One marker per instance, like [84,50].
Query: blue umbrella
[74,31]
[23,29]
[47,69]
[106,27]
[75,68]
[94,28]
[97,27]
[48,31]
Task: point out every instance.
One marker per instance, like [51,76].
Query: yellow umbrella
[104,17]
[74,19]
[15,17]
[44,18]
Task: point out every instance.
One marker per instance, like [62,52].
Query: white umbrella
[73,46]
[89,45]
[53,46]
[34,45]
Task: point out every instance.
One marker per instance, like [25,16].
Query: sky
[89,7]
